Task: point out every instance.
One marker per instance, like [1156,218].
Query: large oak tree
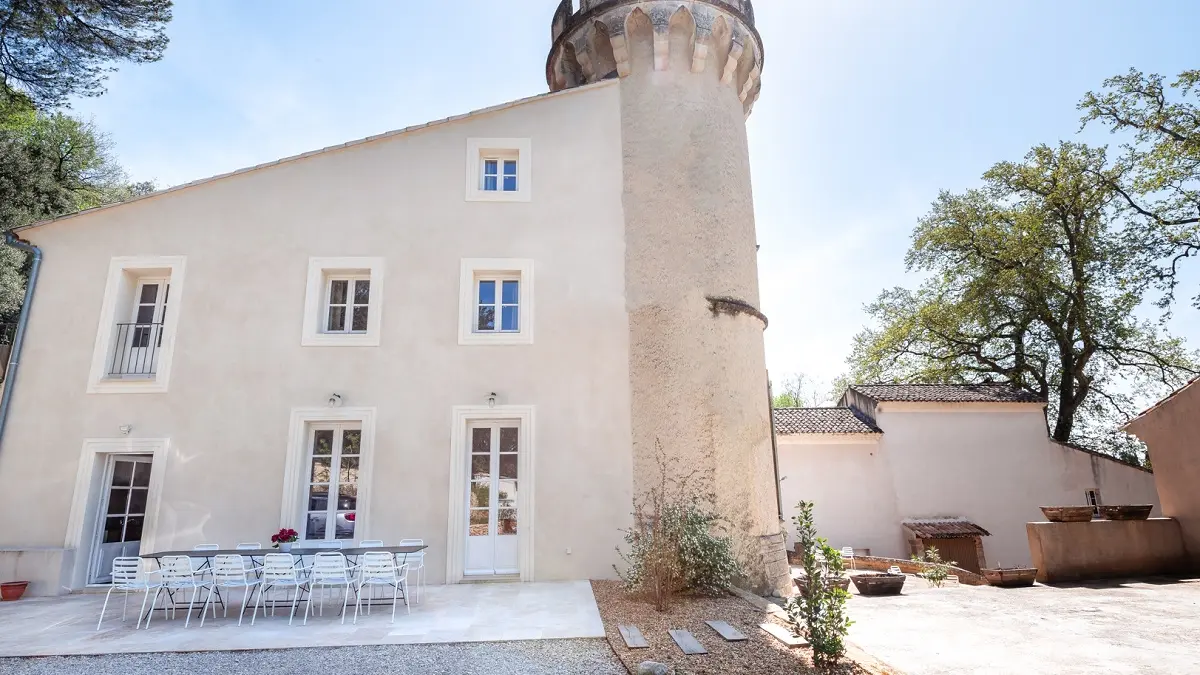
[1030,280]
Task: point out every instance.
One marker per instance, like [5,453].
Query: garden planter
[1127,512]
[1012,577]
[1067,514]
[878,583]
[13,590]
[841,582]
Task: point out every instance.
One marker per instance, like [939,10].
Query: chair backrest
[378,565]
[368,543]
[126,571]
[412,542]
[847,551]
[325,543]
[229,568]
[249,546]
[206,547]
[279,567]
[176,568]
[329,566]
[894,570]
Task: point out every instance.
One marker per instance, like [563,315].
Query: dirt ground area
[761,653]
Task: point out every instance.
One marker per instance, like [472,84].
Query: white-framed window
[135,338]
[499,169]
[496,301]
[343,302]
[327,474]
[1093,500]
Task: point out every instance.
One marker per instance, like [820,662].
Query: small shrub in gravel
[678,541]
[818,612]
[933,569]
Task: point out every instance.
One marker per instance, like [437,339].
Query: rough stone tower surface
[689,72]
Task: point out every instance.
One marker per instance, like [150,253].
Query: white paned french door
[331,492]
[121,514]
[492,514]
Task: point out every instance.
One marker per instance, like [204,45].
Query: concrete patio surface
[447,614]
[1149,626]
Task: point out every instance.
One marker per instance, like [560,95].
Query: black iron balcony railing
[135,349]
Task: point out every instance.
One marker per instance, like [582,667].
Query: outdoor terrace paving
[1149,626]
[456,613]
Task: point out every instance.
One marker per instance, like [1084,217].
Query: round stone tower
[689,75]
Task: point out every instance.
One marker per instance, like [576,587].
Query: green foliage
[1160,190]
[933,569]
[50,165]
[1031,280]
[677,543]
[818,612]
[53,49]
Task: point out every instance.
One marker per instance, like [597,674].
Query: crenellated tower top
[593,42]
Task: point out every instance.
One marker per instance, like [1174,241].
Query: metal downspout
[14,358]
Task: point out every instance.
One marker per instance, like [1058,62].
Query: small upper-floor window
[1093,500]
[499,175]
[343,302]
[499,304]
[138,343]
[496,301]
[348,304]
[498,169]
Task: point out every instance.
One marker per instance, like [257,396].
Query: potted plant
[284,539]
[13,590]
[878,583]
[1010,577]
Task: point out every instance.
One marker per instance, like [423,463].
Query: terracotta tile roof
[945,528]
[822,421]
[947,393]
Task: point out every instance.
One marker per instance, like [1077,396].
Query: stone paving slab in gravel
[531,657]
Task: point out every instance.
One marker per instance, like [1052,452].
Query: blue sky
[868,109]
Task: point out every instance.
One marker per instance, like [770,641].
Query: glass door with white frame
[141,339]
[122,514]
[492,499]
[331,494]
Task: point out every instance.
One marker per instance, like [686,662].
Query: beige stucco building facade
[472,332]
[971,455]
[1171,431]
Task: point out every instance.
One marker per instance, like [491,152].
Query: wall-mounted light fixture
[492,400]
[335,400]
[125,429]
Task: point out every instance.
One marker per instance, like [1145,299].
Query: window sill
[340,340]
[478,195]
[522,338]
[117,385]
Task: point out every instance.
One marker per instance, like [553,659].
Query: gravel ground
[531,657]
[761,653]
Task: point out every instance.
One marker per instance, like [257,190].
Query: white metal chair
[202,565]
[378,568]
[178,575]
[848,554]
[249,546]
[128,575]
[415,562]
[327,544]
[329,570]
[370,543]
[229,571]
[894,570]
[279,571]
